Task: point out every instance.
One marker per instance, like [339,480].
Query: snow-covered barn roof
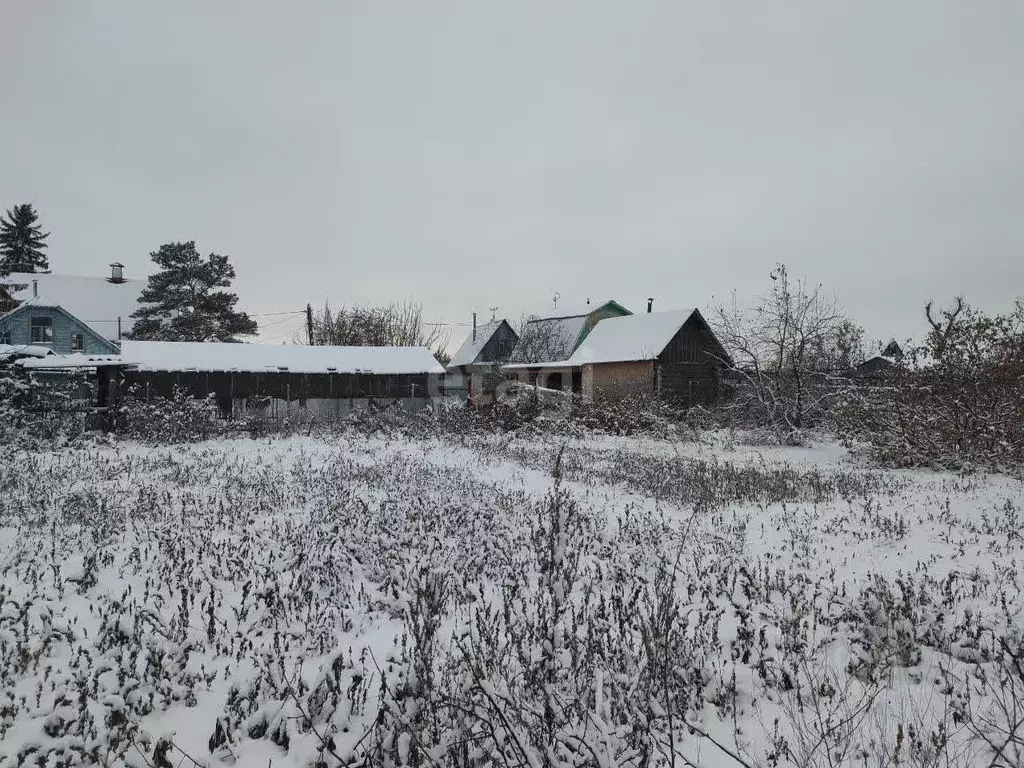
[95,301]
[633,337]
[9,351]
[471,348]
[261,358]
[76,360]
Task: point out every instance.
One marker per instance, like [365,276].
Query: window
[77,342]
[42,330]
[5,337]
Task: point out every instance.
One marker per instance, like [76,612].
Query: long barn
[280,379]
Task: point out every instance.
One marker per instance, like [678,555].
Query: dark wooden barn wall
[688,371]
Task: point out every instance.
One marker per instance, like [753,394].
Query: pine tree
[182,300]
[22,241]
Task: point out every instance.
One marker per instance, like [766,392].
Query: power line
[251,314]
[272,323]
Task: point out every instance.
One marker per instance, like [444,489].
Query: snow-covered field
[373,601]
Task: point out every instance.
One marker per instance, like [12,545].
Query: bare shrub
[399,324]
[954,402]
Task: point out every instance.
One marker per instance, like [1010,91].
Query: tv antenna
[494,312]
[555,298]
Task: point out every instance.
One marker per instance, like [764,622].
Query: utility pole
[309,323]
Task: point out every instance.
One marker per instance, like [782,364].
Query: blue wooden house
[45,324]
[68,314]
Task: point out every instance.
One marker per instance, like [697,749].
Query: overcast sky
[478,154]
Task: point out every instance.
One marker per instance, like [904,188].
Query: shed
[478,361]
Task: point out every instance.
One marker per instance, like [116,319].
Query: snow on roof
[76,360]
[547,340]
[256,358]
[470,349]
[553,364]
[7,351]
[633,337]
[575,310]
[94,300]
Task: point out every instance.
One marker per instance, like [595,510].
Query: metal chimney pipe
[650,303]
[35,289]
[474,327]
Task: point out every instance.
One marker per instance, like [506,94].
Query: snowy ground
[444,602]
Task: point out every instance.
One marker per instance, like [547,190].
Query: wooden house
[45,324]
[672,355]
[68,313]
[547,342]
[478,361]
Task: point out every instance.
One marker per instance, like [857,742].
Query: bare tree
[399,324]
[545,340]
[786,346]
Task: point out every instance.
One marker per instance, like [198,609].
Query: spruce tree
[22,241]
[182,301]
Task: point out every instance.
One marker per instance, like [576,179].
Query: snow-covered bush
[630,415]
[41,410]
[178,419]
